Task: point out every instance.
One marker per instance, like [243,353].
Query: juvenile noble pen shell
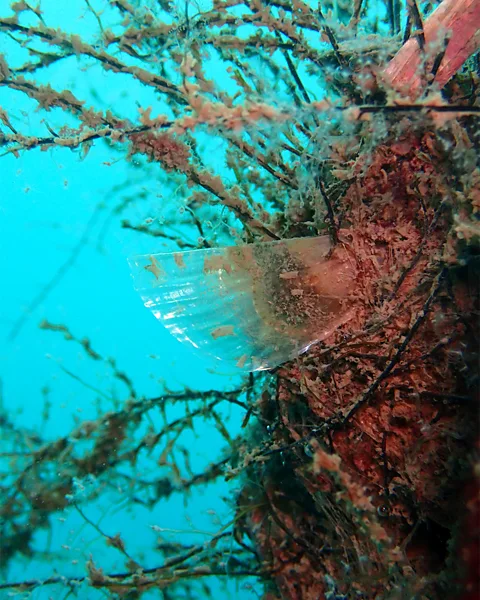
[253,306]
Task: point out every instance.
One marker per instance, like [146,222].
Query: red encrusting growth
[163,148]
[385,395]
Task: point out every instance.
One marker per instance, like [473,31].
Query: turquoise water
[63,258]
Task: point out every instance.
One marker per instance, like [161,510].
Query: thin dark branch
[418,22]
[57,278]
[331,222]
[403,346]
[333,42]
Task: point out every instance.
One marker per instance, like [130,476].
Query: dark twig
[418,22]
[403,346]
[57,277]
[333,42]
[332,225]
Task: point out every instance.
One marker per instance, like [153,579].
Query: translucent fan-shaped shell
[253,306]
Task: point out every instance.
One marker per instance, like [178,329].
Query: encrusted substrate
[368,488]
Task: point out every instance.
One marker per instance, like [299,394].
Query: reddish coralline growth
[375,428]
[452,29]
[163,148]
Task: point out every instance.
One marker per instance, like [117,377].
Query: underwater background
[116,439]
[62,250]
